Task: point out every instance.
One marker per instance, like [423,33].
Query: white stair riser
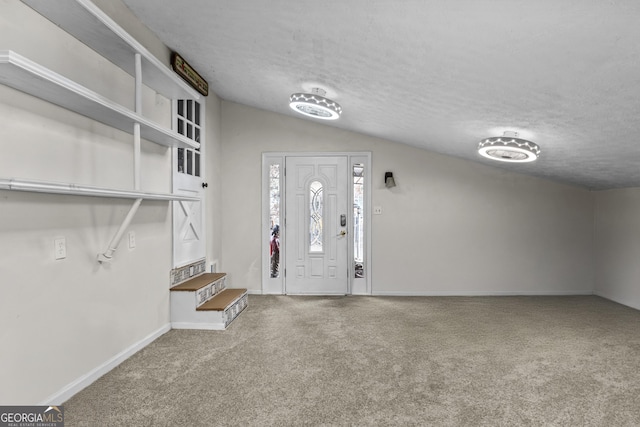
[212,289]
[235,309]
[185,316]
[213,320]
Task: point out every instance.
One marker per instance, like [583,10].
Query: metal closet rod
[84,190]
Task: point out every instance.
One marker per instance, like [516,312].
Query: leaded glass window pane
[315,217]
[274,219]
[358,219]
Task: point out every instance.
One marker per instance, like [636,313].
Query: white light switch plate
[132,239]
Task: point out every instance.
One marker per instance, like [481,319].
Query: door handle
[342,233]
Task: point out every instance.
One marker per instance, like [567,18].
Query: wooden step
[198,282]
[222,301]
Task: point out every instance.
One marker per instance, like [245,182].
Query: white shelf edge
[85,190]
[34,79]
[159,77]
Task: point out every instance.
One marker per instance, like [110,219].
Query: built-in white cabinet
[90,25]
[86,22]
[21,73]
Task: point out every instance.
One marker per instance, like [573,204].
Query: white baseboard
[201,326]
[479,293]
[84,381]
[449,293]
[619,301]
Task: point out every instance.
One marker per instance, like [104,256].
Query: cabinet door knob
[205,185]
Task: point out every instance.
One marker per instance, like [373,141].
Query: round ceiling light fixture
[509,148]
[315,105]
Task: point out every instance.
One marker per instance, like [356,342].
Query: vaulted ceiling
[439,74]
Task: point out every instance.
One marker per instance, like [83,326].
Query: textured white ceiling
[439,74]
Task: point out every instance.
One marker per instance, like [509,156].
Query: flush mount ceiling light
[315,105]
[509,148]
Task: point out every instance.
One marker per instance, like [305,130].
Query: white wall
[617,243]
[213,177]
[450,226]
[60,320]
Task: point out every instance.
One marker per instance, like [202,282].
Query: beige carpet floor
[445,361]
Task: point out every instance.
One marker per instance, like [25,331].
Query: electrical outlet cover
[60,248]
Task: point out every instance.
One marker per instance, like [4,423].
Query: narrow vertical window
[189,110]
[189,161]
[274,220]
[358,219]
[315,217]
[181,160]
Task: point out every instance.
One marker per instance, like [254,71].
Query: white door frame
[360,286]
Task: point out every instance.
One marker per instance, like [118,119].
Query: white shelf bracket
[107,256]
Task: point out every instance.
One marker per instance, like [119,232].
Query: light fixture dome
[509,148]
[315,105]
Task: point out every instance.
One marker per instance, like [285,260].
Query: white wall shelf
[91,26]
[85,190]
[86,22]
[27,76]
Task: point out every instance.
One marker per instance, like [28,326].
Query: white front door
[188,219]
[316,225]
